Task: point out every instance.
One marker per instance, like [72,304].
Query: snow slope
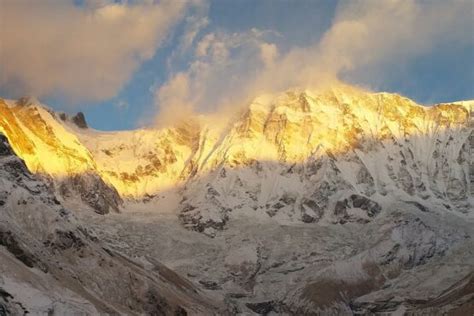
[52,264]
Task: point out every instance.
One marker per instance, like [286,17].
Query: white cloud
[176,95]
[219,74]
[194,26]
[372,32]
[268,54]
[84,53]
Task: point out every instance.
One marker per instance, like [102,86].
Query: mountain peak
[79,119]
[27,101]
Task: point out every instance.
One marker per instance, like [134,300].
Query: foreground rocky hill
[338,201]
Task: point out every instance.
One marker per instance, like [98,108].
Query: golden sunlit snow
[285,128]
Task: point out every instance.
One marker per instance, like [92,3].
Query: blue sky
[440,69]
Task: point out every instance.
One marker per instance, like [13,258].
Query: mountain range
[334,201]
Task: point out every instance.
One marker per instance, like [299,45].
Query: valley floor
[259,266]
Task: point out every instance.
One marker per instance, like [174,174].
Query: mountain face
[49,149]
[348,198]
[293,156]
[51,263]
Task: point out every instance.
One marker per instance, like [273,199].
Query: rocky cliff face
[50,263]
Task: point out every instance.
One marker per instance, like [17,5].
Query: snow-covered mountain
[292,155]
[395,177]
[53,264]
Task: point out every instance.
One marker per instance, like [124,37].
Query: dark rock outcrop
[80,120]
[93,191]
[371,207]
[10,242]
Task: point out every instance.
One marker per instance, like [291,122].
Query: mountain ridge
[179,144]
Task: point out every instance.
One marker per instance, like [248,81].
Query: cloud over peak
[232,68]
